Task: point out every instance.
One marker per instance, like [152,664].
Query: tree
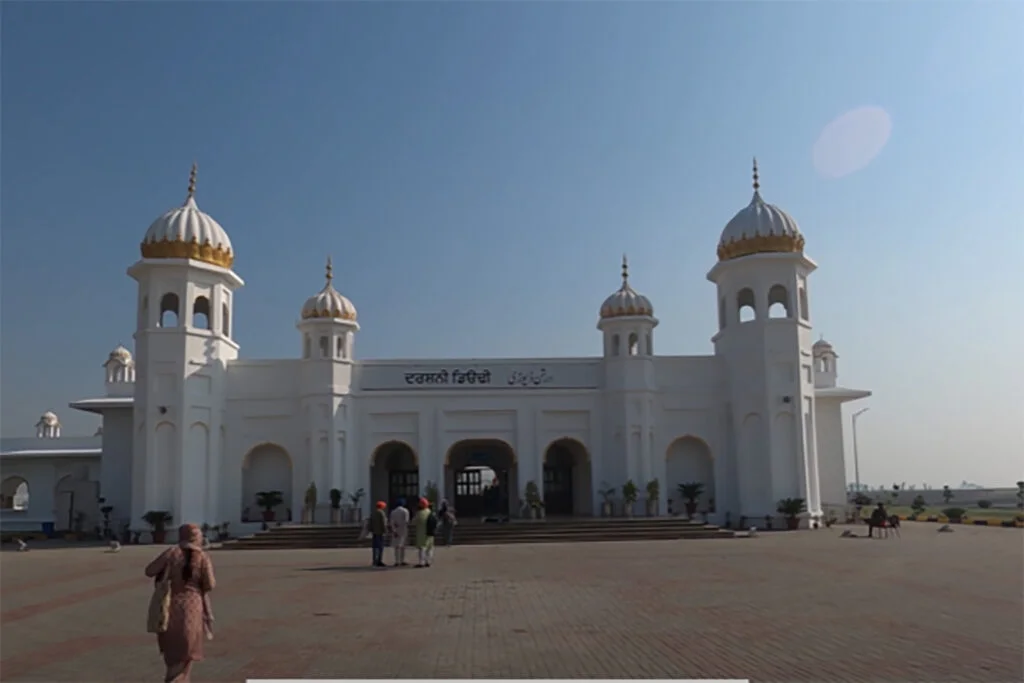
[1020,495]
[895,493]
[947,494]
[918,505]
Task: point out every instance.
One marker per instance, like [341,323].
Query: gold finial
[192,180]
[757,183]
[330,270]
[625,270]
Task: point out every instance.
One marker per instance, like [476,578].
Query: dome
[49,418]
[120,354]
[328,302]
[626,301]
[821,346]
[187,232]
[759,228]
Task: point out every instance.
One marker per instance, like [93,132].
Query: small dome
[49,418]
[821,346]
[759,228]
[120,354]
[187,232]
[328,302]
[626,301]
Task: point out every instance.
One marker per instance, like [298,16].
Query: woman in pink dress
[191,576]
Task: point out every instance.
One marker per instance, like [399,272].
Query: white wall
[831,458]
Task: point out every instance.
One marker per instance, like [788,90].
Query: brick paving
[805,606]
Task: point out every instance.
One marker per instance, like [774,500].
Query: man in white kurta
[400,531]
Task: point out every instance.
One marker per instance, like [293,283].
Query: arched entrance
[14,493]
[481,478]
[689,461]
[266,468]
[74,501]
[567,486]
[394,474]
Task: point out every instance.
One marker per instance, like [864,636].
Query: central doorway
[481,479]
[567,485]
[394,475]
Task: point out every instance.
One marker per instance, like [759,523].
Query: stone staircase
[477,533]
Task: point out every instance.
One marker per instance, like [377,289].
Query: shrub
[918,505]
[984,504]
[954,513]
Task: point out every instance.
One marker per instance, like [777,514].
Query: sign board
[493,376]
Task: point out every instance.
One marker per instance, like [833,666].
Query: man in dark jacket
[377,525]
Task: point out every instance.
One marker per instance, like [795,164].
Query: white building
[190,428]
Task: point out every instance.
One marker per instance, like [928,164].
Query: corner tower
[627,322]
[183,343]
[328,327]
[764,340]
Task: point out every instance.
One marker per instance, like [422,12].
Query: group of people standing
[426,523]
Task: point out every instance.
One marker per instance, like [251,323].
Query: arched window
[169,310]
[340,353]
[746,302]
[634,344]
[325,347]
[805,312]
[778,302]
[307,344]
[616,345]
[201,313]
[144,313]
[650,345]
[721,313]
[225,320]
[14,494]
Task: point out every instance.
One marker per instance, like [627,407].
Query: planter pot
[691,509]
[792,523]
[606,509]
[652,508]
[159,536]
[540,513]
[268,515]
[627,509]
[357,515]
[335,515]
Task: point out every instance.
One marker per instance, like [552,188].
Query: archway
[394,474]
[14,493]
[689,461]
[265,468]
[567,480]
[482,478]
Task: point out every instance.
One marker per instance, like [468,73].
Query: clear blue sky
[477,169]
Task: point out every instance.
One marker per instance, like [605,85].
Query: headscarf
[424,503]
[381,505]
[190,536]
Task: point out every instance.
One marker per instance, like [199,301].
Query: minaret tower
[183,343]
[627,322]
[764,340]
[328,327]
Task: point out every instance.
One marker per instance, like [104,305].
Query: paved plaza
[805,606]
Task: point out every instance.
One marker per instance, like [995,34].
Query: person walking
[400,532]
[426,527]
[377,525]
[189,571]
[446,516]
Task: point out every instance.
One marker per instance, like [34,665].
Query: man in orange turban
[377,525]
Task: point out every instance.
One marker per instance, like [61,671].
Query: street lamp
[856,459]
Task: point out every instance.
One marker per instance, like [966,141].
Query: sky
[476,171]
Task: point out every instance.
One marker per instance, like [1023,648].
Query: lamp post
[856,458]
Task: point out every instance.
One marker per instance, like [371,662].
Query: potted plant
[336,496]
[431,493]
[158,521]
[357,510]
[653,491]
[222,532]
[607,499]
[310,501]
[791,509]
[691,493]
[630,493]
[268,500]
[105,511]
[531,495]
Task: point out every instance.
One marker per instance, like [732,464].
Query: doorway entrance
[481,479]
[394,474]
[567,486]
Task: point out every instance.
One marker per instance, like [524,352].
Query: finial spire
[192,180]
[625,270]
[330,270]
[757,181]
